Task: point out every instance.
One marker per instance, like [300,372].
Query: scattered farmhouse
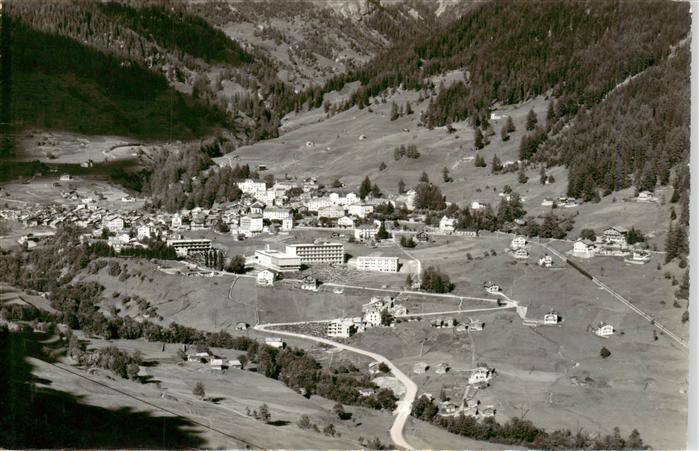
[310,283]
[584,249]
[491,287]
[366,232]
[447,224]
[546,261]
[638,257]
[518,242]
[552,318]
[265,278]
[521,254]
[275,342]
[340,328]
[604,330]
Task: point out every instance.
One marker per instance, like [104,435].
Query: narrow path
[451,312]
[404,406]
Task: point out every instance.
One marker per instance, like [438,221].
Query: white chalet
[143,232]
[287,223]
[477,206]
[480,375]
[604,330]
[546,261]
[265,278]
[176,221]
[309,283]
[646,196]
[253,188]
[340,328]
[274,342]
[492,288]
[278,214]
[115,224]
[615,236]
[251,224]
[331,212]
[318,203]
[638,257]
[447,224]
[551,318]
[360,210]
[518,242]
[366,232]
[345,221]
[521,254]
[584,248]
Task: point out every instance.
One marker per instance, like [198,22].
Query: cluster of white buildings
[372,313]
[611,242]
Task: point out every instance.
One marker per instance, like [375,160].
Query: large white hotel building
[318,253]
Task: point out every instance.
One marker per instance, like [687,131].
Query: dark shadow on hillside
[37,417]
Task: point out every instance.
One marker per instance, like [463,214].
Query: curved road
[404,405]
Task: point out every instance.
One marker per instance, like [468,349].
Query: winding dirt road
[404,406]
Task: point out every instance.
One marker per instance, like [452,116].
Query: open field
[63,147]
[43,191]
[169,385]
[337,151]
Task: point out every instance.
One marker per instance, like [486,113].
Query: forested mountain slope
[637,135]
[516,50]
[58,83]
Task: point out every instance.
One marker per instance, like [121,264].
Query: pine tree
[522,175]
[479,162]
[671,245]
[365,188]
[510,125]
[382,234]
[376,191]
[382,166]
[401,186]
[532,120]
[394,111]
[495,165]
[424,177]
[504,134]
[478,142]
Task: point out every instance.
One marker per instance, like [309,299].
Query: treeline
[175,29]
[60,83]
[156,249]
[179,180]
[521,432]
[637,136]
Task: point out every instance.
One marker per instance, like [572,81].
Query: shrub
[604,353]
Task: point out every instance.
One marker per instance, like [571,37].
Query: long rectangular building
[318,253]
[189,246]
[377,263]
